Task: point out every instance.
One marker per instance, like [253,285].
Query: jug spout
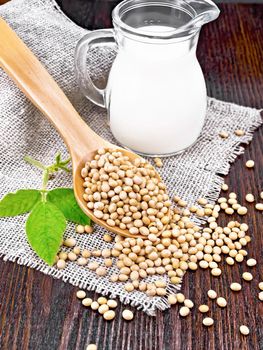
[204,11]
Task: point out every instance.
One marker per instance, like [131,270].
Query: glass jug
[155,94]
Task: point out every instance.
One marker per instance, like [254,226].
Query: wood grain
[38,312]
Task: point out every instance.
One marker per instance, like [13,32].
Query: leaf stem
[45,179]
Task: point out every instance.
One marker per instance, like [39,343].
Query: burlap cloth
[23,130]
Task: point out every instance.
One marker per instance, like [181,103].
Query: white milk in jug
[156,94]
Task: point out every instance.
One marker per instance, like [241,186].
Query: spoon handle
[34,80]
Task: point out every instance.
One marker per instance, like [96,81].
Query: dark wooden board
[38,312]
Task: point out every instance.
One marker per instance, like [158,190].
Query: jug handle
[84,80]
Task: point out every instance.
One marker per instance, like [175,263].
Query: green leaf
[34,162]
[58,158]
[65,200]
[44,228]
[19,202]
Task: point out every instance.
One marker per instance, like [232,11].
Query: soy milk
[156,94]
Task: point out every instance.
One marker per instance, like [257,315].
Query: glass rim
[180,5]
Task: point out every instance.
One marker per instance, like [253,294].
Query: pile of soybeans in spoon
[124,193]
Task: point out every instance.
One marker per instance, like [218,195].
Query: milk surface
[156,95]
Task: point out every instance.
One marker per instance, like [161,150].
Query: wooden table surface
[39,312]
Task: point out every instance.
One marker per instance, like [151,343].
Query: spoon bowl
[37,84]
[79,190]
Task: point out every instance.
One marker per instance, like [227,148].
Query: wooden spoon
[37,84]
